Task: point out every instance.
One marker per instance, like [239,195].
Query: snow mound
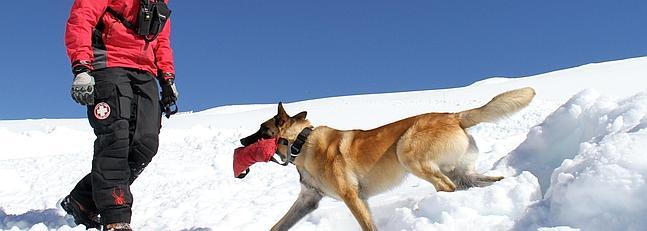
[590,159]
[491,81]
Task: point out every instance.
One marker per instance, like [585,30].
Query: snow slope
[574,159]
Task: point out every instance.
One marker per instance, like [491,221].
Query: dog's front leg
[358,207]
[307,202]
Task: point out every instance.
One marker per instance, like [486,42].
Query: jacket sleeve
[164,52]
[84,16]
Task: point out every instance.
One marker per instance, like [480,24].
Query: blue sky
[244,52]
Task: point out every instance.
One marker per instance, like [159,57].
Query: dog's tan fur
[356,164]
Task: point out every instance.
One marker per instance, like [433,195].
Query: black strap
[144,2]
[282,141]
[243,174]
[121,19]
[100,26]
[276,161]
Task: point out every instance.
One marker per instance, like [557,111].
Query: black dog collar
[296,147]
[300,141]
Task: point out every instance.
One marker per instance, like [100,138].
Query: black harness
[150,21]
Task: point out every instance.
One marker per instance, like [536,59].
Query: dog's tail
[500,106]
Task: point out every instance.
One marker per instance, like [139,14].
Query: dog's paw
[447,187]
[493,178]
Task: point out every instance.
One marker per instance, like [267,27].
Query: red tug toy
[261,151]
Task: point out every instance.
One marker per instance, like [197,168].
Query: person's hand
[169,92]
[83,89]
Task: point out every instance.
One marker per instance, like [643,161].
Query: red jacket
[117,46]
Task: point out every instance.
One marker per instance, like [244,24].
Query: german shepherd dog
[354,165]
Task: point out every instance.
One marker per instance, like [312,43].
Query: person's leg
[82,193]
[80,205]
[110,170]
[145,122]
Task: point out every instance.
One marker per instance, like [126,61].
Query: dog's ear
[301,116]
[281,113]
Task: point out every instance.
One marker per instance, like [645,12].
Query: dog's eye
[266,132]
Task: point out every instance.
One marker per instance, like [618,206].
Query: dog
[353,165]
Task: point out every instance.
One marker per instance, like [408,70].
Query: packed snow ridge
[574,160]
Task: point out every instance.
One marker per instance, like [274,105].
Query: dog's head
[281,125]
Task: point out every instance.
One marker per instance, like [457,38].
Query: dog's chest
[309,181]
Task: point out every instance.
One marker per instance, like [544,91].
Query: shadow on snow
[52,218]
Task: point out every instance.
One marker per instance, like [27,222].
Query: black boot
[81,216]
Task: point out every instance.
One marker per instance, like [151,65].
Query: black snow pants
[126,120]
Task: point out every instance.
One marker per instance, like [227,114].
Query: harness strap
[121,19]
[289,160]
[128,24]
[244,174]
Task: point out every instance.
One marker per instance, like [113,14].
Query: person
[118,48]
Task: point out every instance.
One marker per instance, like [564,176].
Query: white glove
[83,89]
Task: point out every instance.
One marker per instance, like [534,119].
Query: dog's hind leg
[465,180]
[487,179]
[464,175]
[430,147]
[431,173]
[307,202]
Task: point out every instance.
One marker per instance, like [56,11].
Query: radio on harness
[150,21]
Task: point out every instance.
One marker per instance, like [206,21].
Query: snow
[574,159]
[594,174]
